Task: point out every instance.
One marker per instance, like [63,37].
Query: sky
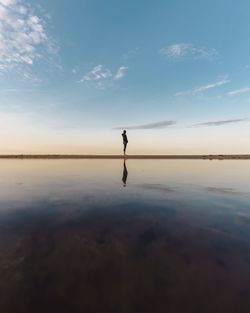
[75,73]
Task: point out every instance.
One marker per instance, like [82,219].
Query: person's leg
[125,147]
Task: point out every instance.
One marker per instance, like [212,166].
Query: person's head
[124,132]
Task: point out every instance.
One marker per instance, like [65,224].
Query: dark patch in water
[221,263]
[147,237]
[132,257]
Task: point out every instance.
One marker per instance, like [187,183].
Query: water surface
[105,236]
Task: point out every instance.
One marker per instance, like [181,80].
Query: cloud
[201,89]
[102,76]
[97,73]
[120,72]
[239,91]
[180,51]
[3,90]
[7,2]
[23,39]
[157,125]
[246,67]
[223,122]
[131,53]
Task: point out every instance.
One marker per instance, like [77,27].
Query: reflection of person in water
[125,174]
[125,141]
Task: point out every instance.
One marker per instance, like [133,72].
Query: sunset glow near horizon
[74,74]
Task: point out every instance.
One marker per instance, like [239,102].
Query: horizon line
[120,156]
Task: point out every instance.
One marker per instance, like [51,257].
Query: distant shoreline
[157,157]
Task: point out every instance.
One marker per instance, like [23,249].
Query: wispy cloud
[23,38]
[120,72]
[201,89]
[182,51]
[131,53]
[210,86]
[102,76]
[222,122]
[156,125]
[9,90]
[245,67]
[98,73]
[239,91]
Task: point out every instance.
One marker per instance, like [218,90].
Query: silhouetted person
[125,174]
[125,141]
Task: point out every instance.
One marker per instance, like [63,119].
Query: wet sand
[73,239]
[128,259]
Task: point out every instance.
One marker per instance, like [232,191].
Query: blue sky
[176,74]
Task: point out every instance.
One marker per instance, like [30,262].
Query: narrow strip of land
[92,156]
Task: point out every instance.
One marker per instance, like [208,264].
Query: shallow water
[104,236]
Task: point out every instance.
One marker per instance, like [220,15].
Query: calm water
[146,237]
